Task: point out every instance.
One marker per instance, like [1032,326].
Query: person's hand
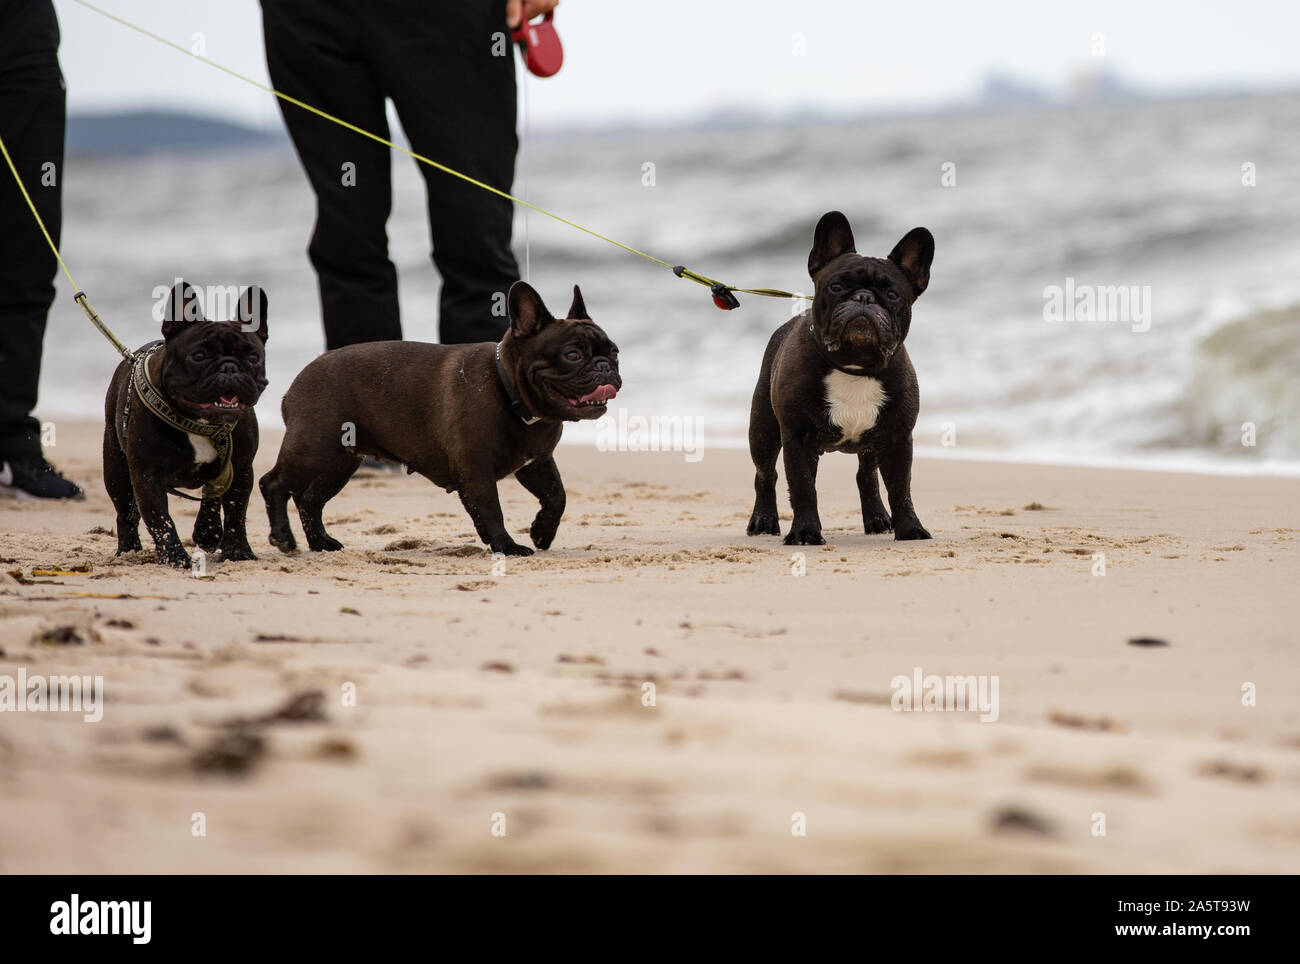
[517,11]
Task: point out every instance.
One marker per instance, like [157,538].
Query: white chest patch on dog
[853,402]
[203,448]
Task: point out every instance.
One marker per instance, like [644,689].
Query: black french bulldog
[837,379]
[463,416]
[180,415]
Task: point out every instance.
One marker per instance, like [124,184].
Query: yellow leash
[721,292]
[80,296]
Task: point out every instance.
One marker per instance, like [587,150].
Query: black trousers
[455,97]
[32,115]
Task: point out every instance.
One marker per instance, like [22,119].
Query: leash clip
[722,294]
[723,298]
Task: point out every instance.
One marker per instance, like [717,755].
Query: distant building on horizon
[1099,85]
[1002,91]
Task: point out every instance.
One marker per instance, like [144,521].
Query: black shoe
[32,476]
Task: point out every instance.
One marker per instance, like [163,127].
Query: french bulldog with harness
[179,415]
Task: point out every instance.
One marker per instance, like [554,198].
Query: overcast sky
[663,59]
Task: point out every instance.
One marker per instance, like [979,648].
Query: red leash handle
[543,52]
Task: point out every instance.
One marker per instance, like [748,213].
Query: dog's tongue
[602,393]
[229,399]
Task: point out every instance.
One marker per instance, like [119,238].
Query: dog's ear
[579,308]
[832,238]
[913,254]
[251,313]
[527,313]
[182,308]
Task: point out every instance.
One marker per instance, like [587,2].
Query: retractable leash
[543,56]
[543,52]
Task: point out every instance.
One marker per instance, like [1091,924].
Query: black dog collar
[517,406]
[218,435]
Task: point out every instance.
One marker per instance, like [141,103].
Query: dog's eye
[836,287]
[573,354]
[199,355]
[892,294]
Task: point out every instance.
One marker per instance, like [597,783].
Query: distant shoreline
[88,131]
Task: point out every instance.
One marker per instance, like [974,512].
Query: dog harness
[142,386]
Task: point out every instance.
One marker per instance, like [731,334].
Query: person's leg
[455,96]
[32,112]
[313,54]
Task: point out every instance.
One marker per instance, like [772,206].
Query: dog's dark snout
[864,296]
[861,333]
[229,367]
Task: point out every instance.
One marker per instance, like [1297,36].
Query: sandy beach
[402,707]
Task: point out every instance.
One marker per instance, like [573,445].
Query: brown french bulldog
[463,416]
[181,416]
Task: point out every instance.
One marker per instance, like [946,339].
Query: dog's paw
[913,530]
[514,549]
[542,534]
[324,543]
[207,527]
[876,523]
[284,541]
[176,557]
[763,524]
[805,536]
[237,554]
[207,540]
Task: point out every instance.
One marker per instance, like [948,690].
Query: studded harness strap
[143,388]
